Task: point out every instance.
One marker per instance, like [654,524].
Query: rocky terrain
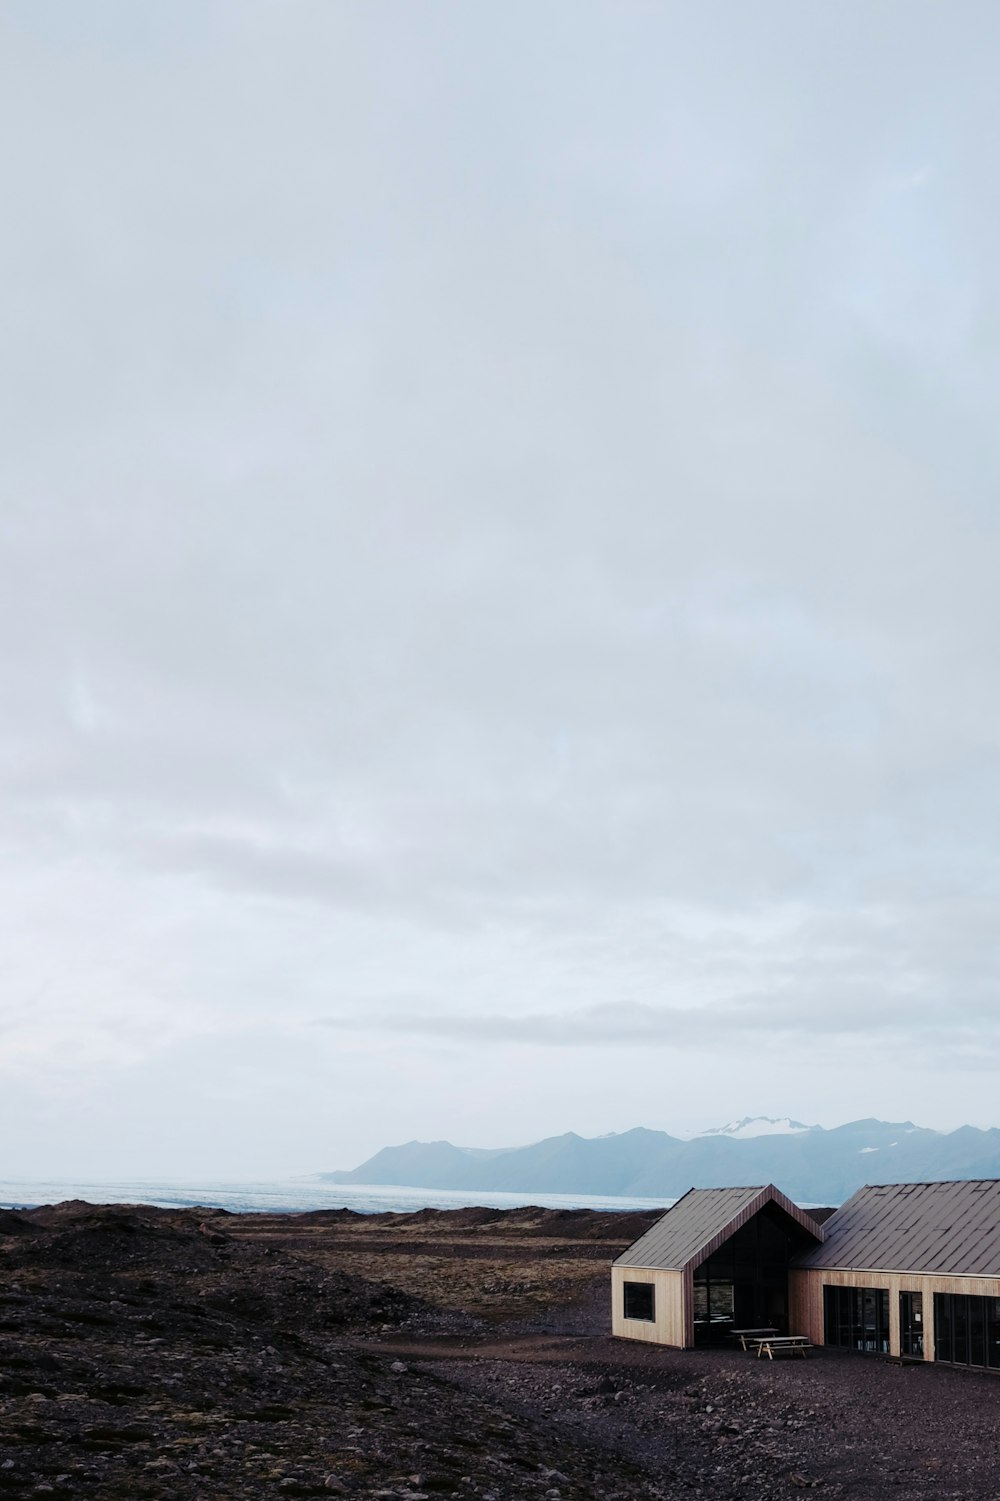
[197,1355]
[489,1263]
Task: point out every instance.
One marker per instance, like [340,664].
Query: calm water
[295,1193]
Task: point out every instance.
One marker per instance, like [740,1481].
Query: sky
[499,541]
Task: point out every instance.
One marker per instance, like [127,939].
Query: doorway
[911,1326]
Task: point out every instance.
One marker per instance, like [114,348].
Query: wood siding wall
[805,1298]
[671,1302]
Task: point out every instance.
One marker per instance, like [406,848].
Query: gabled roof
[915,1227]
[698,1224]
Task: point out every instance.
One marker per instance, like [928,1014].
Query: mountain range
[812,1164]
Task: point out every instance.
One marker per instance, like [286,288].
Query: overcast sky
[499,611]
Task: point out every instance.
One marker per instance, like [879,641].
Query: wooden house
[910,1270]
[716,1261]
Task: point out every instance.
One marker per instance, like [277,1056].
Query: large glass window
[713,1305]
[744,1283]
[640,1301]
[857,1318]
[967,1330]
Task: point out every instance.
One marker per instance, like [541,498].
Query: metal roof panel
[947,1228]
[699,1223]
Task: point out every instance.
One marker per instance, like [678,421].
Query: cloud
[498,511]
[726,1028]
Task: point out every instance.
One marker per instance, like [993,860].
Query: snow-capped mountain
[757,1125]
[814,1164]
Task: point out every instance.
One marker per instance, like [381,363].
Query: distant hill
[811,1163]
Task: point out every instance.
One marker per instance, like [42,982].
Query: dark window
[857,1318]
[977,1331]
[944,1345]
[967,1330]
[960,1320]
[720,1302]
[639,1301]
[993,1333]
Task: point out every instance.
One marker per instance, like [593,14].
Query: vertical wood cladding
[805,1293]
[668,1325]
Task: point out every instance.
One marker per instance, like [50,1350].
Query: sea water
[293,1194]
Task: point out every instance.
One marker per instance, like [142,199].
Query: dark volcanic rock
[146,1353]
[195,1356]
[12,1223]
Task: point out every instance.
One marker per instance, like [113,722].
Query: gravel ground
[720,1423]
[727,1425]
[165,1354]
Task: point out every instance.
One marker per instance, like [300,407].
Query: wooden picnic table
[747,1336]
[782,1344]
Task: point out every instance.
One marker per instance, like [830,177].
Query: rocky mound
[585,1224]
[124,1253]
[531,1220]
[146,1354]
[13,1224]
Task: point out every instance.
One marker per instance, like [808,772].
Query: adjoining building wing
[910,1270]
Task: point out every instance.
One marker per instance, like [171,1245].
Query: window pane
[858,1317]
[720,1300]
[830,1316]
[868,1330]
[943,1342]
[977,1331]
[993,1333]
[960,1325]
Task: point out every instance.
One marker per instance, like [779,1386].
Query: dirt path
[523,1348]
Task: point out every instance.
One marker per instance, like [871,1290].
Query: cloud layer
[498,556]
